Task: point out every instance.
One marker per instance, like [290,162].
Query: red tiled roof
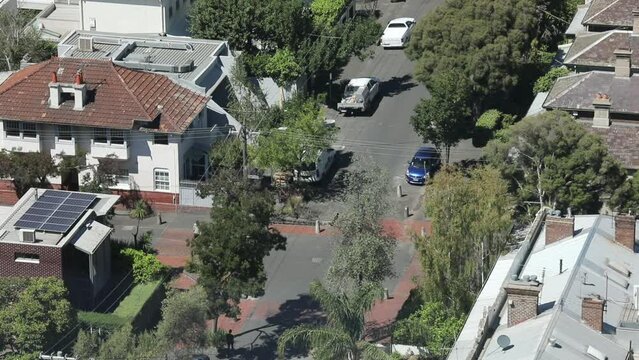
[117,97]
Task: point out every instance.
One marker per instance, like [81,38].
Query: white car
[359,95]
[397,32]
[315,172]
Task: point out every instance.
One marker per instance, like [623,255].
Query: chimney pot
[625,227]
[78,78]
[54,77]
[558,228]
[592,309]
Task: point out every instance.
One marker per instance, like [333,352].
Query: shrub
[325,12]
[146,267]
[488,124]
[101,320]
[546,82]
[489,119]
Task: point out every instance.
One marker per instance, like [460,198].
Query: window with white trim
[65,133]
[100,136]
[161,179]
[109,136]
[29,130]
[27,258]
[117,136]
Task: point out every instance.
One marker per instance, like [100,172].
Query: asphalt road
[386,137]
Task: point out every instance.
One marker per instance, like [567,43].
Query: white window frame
[27,258]
[160,172]
[21,129]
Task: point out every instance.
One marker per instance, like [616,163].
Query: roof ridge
[128,90]
[600,11]
[606,35]
[562,93]
[33,69]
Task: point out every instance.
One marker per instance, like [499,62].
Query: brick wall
[592,313]
[558,228]
[157,200]
[522,302]
[7,193]
[625,231]
[50,260]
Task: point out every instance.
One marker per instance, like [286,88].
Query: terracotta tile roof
[623,142]
[117,97]
[610,13]
[598,49]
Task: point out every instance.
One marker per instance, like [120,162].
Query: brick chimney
[602,110]
[592,310]
[523,299]
[625,226]
[558,228]
[79,91]
[623,63]
[635,21]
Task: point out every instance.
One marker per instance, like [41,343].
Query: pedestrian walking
[230,340]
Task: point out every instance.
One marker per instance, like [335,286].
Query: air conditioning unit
[85,43]
[27,235]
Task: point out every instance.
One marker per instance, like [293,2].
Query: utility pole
[244,153]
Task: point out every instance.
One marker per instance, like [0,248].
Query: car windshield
[308,166]
[350,90]
[397,25]
[422,163]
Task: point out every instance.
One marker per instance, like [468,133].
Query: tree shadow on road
[333,185]
[303,310]
[397,85]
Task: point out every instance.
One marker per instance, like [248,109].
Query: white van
[315,172]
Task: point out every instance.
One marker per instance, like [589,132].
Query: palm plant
[342,337]
[140,211]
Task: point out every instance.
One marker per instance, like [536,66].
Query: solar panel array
[55,211]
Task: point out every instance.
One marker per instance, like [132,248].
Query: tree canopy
[554,161]
[36,314]
[626,198]
[471,218]
[342,337]
[485,40]
[303,136]
[444,118]
[27,170]
[184,316]
[229,251]
[16,43]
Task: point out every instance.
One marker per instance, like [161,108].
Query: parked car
[315,172]
[359,95]
[424,164]
[397,32]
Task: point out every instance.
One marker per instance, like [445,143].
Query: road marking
[128,227]
[317,260]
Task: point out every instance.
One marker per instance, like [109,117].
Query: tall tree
[229,251]
[16,42]
[554,161]
[283,68]
[485,40]
[184,316]
[471,219]
[365,254]
[342,337]
[444,118]
[39,315]
[626,198]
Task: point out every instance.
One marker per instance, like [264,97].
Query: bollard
[406,211]
[386,297]
[159,217]
[423,232]
[317,226]
[399,191]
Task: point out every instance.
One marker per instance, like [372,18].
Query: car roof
[401,20]
[426,152]
[359,81]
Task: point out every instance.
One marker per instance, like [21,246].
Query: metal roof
[92,237]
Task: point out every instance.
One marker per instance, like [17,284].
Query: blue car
[423,165]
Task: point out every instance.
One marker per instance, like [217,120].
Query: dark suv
[423,165]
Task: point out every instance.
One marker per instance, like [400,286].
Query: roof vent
[27,235]
[595,353]
[85,43]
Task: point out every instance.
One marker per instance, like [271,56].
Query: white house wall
[137,16]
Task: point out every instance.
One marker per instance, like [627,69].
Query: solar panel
[55,211]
